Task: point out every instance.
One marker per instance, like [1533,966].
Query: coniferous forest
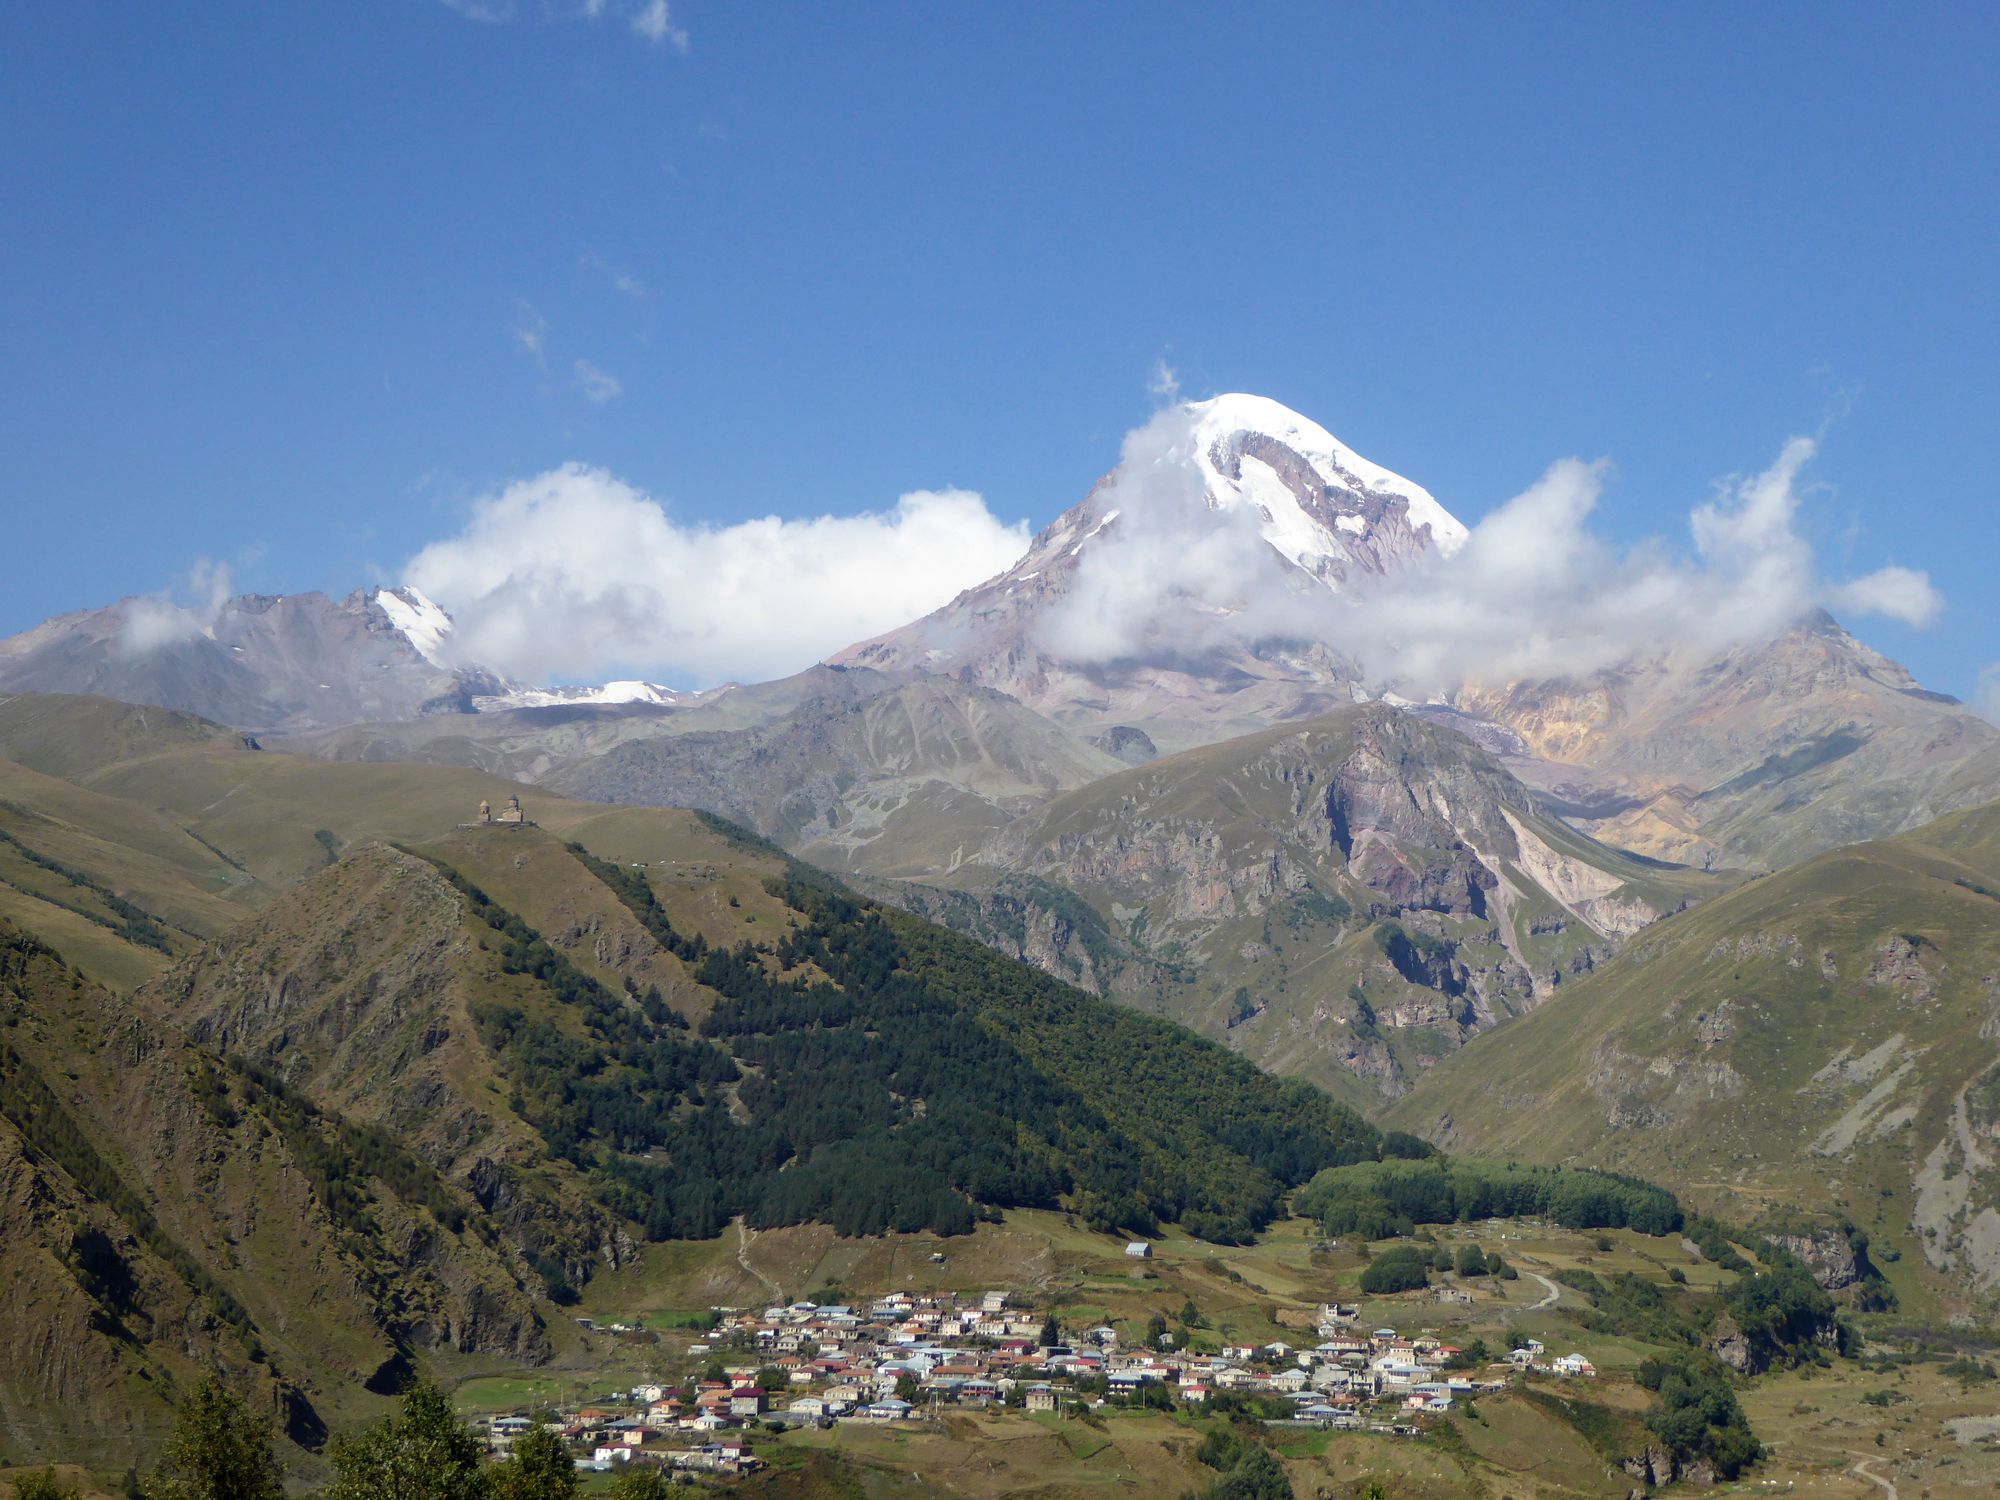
[875,1073]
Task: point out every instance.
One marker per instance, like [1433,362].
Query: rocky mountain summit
[257,662]
[1297,509]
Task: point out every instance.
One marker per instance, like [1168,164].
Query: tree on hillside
[1256,1475]
[1396,1270]
[420,1451]
[541,1468]
[1051,1331]
[43,1486]
[641,1482]
[218,1451]
[1699,1416]
[1471,1261]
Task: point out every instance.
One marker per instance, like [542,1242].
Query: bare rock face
[1755,757]
[1123,742]
[1728,1343]
[1651,1466]
[1828,1255]
[1898,965]
[280,662]
[1408,869]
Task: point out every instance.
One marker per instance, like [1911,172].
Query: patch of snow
[609,692]
[1288,527]
[422,621]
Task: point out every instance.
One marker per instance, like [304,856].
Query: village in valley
[907,1358]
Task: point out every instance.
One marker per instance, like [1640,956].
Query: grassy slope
[180,818]
[1804,1041]
[109,1224]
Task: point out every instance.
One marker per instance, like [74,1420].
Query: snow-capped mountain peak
[422,621]
[1319,503]
[1091,588]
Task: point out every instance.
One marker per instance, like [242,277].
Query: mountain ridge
[1818,1039]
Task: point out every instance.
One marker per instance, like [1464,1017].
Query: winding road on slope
[1554,1296]
[1861,1467]
[743,1260]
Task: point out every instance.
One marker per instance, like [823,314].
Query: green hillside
[1821,1040]
[164,1214]
[714,1032]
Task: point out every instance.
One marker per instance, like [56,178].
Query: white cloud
[623,282]
[490,12]
[1534,591]
[160,619]
[575,574]
[1986,693]
[1165,384]
[598,385]
[656,25]
[531,332]
[651,20]
[1895,593]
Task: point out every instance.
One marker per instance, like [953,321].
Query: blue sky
[289,285]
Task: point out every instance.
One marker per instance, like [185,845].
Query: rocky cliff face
[357,989]
[1829,1254]
[1758,757]
[161,1217]
[1354,897]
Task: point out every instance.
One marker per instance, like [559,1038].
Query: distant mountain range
[940,761]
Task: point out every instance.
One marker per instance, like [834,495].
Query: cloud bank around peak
[1534,592]
[576,575]
[1986,693]
[157,620]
